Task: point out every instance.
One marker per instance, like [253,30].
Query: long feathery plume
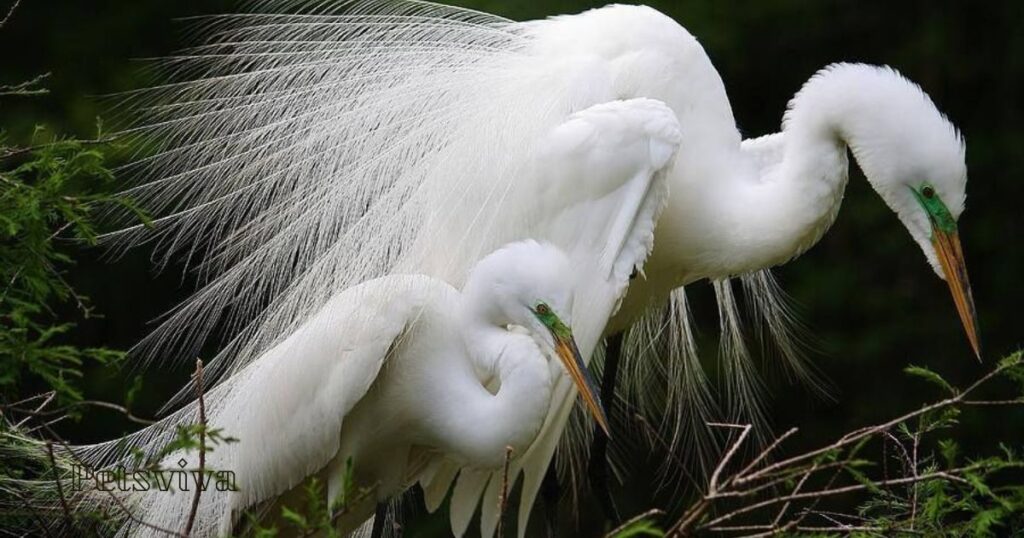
[744,389]
[780,329]
[305,147]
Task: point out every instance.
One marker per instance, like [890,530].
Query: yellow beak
[951,257]
[565,347]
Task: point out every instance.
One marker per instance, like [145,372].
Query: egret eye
[927,191]
[542,309]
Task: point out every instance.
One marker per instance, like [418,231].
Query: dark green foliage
[318,516]
[983,497]
[905,476]
[872,302]
[48,200]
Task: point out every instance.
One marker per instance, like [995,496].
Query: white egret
[389,374]
[302,154]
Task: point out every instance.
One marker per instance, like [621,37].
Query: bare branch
[113,497]
[650,514]
[764,453]
[868,431]
[60,489]
[713,483]
[27,88]
[10,13]
[198,376]
[841,455]
[40,413]
[837,491]
[503,497]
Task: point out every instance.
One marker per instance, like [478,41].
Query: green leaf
[640,527]
[295,518]
[949,450]
[930,376]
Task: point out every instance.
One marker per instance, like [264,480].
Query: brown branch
[913,469]
[713,483]
[772,529]
[38,412]
[503,498]
[46,401]
[113,497]
[781,478]
[764,453]
[796,489]
[202,448]
[26,88]
[17,151]
[60,488]
[805,465]
[868,431]
[836,491]
[653,435]
[10,13]
[1016,401]
[650,514]
[33,513]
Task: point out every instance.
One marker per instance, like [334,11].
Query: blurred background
[866,291]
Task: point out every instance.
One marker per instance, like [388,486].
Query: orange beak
[566,349]
[951,257]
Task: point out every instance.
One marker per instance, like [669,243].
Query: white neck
[483,424]
[780,193]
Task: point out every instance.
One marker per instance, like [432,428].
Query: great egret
[302,154]
[390,374]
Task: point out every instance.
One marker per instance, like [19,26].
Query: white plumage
[301,154]
[391,374]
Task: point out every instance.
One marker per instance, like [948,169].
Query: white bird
[390,374]
[302,154]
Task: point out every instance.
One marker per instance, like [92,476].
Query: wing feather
[286,408]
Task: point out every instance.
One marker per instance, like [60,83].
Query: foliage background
[865,290]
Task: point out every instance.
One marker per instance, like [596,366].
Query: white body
[325,151]
[392,375]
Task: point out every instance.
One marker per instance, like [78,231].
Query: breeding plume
[299,153]
[392,375]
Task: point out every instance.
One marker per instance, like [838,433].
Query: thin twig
[10,13]
[796,489]
[503,498]
[113,497]
[913,471]
[27,88]
[32,512]
[202,448]
[38,413]
[806,464]
[867,431]
[49,398]
[764,453]
[17,151]
[808,528]
[713,483]
[60,488]
[650,514]
[837,491]
[1015,401]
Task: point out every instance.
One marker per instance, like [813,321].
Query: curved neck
[789,197]
[481,424]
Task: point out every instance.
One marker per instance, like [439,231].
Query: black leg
[380,516]
[599,450]
[551,494]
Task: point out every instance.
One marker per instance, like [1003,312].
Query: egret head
[530,285]
[915,159]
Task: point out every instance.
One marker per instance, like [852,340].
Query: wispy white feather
[303,148]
